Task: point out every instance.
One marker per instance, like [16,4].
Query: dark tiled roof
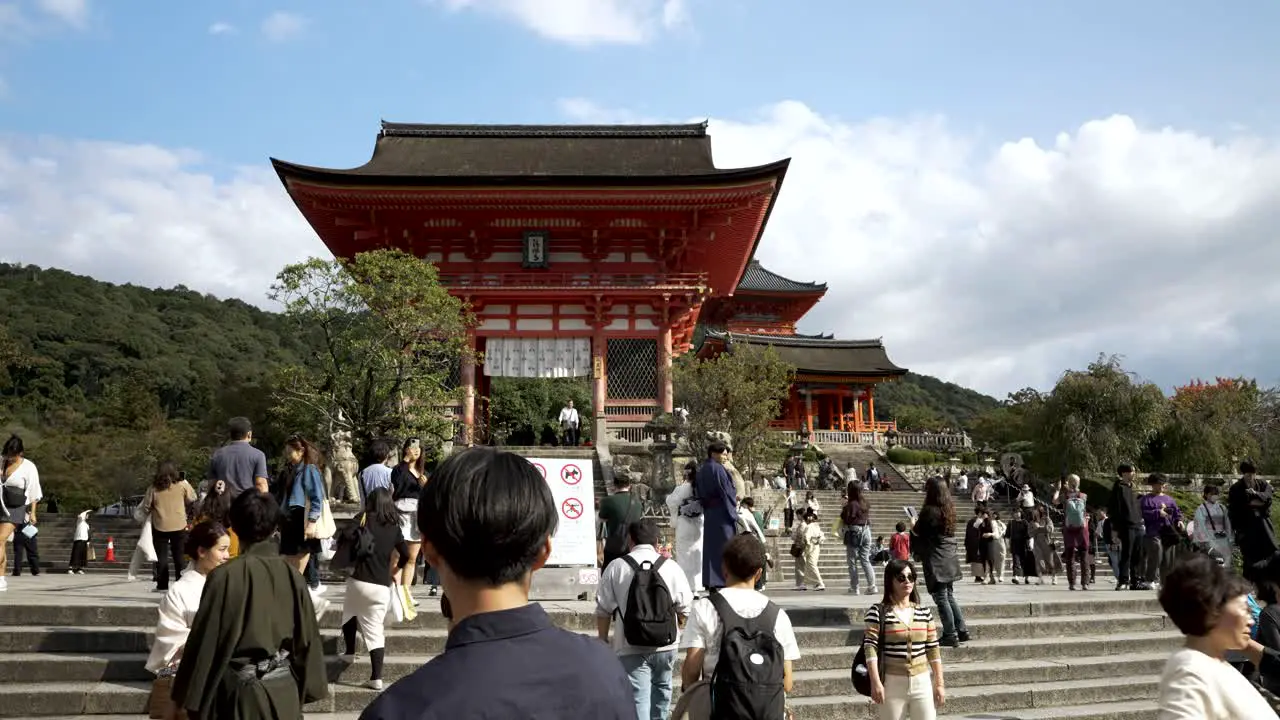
[820,354]
[534,151]
[758,279]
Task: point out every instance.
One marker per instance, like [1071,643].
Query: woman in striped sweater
[909,653]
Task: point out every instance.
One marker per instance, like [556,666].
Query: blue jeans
[650,676]
[948,611]
[859,555]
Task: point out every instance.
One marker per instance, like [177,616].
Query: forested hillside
[922,402]
[103,381]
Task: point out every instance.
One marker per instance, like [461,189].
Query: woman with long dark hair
[855,532]
[368,596]
[215,507]
[909,650]
[407,479]
[933,542]
[208,546]
[19,493]
[686,515]
[166,503]
[303,505]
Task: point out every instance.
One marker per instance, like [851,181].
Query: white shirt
[704,631]
[81,531]
[1195,686]
[27,477]
[177,612]
[615,585]
[569,417]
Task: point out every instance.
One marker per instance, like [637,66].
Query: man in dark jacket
[1249,509]
[1126,529]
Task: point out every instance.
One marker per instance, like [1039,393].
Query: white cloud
[281,26]
[72,12]
[222,28]
[146,215]
[999,267]
[585,22]
[996,266]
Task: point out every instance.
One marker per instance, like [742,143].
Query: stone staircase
[74,647]
[862,456]
[887,509]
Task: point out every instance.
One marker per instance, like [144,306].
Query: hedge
[899,455]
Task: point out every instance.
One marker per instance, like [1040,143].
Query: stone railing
[829,437]
[933,441]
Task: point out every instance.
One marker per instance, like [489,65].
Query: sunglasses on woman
[905,578]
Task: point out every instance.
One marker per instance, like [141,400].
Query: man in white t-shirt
[649,668]
[744,559]
[569,424]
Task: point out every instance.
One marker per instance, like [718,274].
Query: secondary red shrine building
[834,388]
[583,250]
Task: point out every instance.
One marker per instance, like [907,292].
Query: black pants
[1130,556]
[572,436]
[788,518]
[79,555]
[312,574]
[168,543]
[23,545]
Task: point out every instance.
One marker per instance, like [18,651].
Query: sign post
[570,572]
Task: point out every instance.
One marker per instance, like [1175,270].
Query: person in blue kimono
[719,511]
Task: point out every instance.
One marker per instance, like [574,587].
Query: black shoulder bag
[860,674]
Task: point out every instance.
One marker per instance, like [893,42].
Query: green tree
[739,392]
[1210,424]
[1016,420]
[1097,418]
[387,340]
[917,418]
[523,411]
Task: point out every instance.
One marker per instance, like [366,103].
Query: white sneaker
[4,583]
[374,684]
[318,590]
[872,590]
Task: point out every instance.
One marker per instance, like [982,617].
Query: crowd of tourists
[238,630]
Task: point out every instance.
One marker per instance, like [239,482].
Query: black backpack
[747,683]
[650,619]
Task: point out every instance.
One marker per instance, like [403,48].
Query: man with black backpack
[739,646]
[652,597]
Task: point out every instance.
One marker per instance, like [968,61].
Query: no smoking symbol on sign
[571,474]
[572,508]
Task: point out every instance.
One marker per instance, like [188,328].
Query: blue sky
[149,72]
[1001,190]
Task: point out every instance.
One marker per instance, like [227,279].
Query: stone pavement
[74,646]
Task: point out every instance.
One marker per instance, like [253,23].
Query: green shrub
[906,456]
[1098,490]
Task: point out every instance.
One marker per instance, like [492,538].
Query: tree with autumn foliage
[1211,425]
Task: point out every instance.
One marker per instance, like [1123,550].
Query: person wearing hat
[1163,522]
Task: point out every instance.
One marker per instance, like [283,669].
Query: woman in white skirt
[686,513]
[407,478]
[368,595]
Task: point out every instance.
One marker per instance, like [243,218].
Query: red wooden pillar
[599,372]
[665,391]
[871,406]
[469,391]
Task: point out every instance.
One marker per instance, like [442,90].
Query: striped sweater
[908,649]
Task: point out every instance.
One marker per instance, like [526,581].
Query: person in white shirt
[208,546]
[744,561]
[649,668]
[1208,604]
[686,510]
[569,424]
[19,493]
[79,545]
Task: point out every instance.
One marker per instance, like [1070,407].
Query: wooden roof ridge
[796,340]
[447,130]
[758,278]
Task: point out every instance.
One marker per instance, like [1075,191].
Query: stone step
[839,611]
[1003,700]
[429,641]
[1130,710]
[64,699]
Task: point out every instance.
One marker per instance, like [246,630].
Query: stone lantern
[662,429]
[891,437]
[953,459]
[988,460]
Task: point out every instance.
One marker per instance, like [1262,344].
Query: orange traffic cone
[111,549]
